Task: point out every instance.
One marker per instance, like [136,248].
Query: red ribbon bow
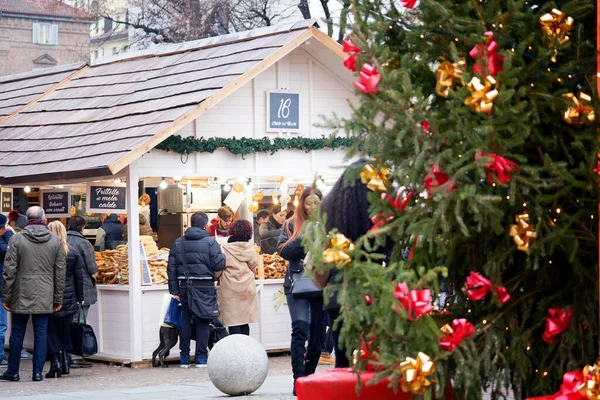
[556,323]
[380,220]
[414,301]
[368,79]
[399,203]
[478,287]
[499,165]
[487,53]
[350,48]
[408,3]
[439,178]
[569,389]
[461,329]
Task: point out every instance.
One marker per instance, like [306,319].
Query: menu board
[106,199]
[6,201]
[56,203]
[146,276]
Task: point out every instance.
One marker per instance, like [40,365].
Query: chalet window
[45,34]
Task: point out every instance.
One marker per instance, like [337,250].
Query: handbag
[202,300]
[174,315]
[83,337]
[303,286]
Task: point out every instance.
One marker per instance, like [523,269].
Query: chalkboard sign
[56,203]
[106,199]
[283,111]
[6,204]
[146,276]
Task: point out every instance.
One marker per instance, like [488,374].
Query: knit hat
[3,221]
[13,215]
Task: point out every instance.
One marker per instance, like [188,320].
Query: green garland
[244,146]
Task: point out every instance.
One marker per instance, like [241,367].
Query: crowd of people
[48,273]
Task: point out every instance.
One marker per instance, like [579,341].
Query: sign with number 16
[283,111]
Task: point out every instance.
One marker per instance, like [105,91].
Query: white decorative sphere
[238,365]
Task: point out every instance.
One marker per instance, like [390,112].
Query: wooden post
[135,275]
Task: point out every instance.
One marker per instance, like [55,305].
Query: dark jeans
[341,359]
[307,324]
[185,336]
[59,334]
[240,330]
[17,334]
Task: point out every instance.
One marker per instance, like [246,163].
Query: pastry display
[275,266]
[113,265]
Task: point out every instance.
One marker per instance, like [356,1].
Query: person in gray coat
[84,249]
[33,283]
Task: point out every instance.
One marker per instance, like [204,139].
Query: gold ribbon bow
[482,95]
[591,388]
[523,233]
[338,252]
[447,75]
[579,112]
[416,372]
[555,26]
[375,178]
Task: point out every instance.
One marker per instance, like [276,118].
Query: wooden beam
[328,42]
[212,101]
[46,93]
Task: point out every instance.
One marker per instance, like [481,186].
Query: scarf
[36,222]
[233,239]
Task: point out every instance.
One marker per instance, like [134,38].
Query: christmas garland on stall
[244,146]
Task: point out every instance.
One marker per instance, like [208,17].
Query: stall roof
[83,121]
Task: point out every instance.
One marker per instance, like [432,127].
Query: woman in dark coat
[306,314]
[269,231]
[59,323]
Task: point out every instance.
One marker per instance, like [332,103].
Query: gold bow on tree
[375,178]
[482,95]
[339,251]
[523,233]
[555,26]
[447,75]
[579,112]
[416,373]
[591,388]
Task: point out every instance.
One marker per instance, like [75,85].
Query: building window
[45,34]
[115,50]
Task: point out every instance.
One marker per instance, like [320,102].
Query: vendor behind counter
[110,234]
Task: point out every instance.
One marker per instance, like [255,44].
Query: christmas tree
[479,118]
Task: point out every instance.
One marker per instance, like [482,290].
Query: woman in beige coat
[237,292]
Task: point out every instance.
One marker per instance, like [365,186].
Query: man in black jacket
[193,261]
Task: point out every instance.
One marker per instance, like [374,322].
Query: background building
[38,34]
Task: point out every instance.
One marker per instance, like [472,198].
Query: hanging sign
[283,111]
[6,201]
[56,203]
[106,198]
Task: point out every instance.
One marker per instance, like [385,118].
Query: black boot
[298,349]
[55,371]
[64,363]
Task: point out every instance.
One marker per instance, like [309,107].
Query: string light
[456,39]
[558,210]
[460,156]
[500,25]
[27,189]
[494,25]
[494,184]
[513,50]
[506,347]
[532,85]
[469,310]
[507,197]
[529,47]
[484,321]
[117,180]
[163,184]
[545,373]
[507,328]
[550,262]
[592,216]
[524,204]
[440,25]
[536,371]
[570,76]
[528,348]
[422,36]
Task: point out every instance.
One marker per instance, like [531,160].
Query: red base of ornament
[340,384]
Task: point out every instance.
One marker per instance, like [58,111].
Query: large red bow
[414,301]
[368,80]
[453,336]
[350,48]
[487,54]
[408,3]
[499,165]
[556,323]
[439,178]
[478,287]
[569,389]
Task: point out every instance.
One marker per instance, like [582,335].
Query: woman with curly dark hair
[237,292]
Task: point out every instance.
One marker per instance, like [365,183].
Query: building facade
[38,34]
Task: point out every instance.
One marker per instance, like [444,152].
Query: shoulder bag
[303,286]
[83,337]
[202,299]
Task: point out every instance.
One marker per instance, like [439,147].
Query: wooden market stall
[89,124]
